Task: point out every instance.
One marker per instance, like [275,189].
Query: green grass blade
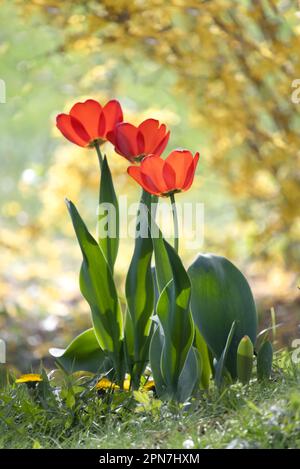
[220,368]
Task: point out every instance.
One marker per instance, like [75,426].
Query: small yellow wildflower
[149,386]
[29,378]
[104,384]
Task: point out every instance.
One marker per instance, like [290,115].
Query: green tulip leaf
[140,290]
[220,296]
[129,342]
[155,354]
[206,371]
[83,354]
[108,217]
[98,288]
[190,376]
[173,310]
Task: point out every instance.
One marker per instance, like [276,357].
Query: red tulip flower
[88,123]
[134,143]
[166,177]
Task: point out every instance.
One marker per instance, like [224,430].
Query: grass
[69,414]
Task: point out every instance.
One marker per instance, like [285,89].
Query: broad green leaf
[173,310]
[206,371]
[108,217]
[140,289]
[156,347]
[264,361]
[98,288]
[83,354]
[156,292]
[211,361]
[189,379]
[163,268]
[140,365]
[176,321]
[220,296]
[129,342]
[221,363]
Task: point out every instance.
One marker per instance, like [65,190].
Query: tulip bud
[244,360]
[264,361]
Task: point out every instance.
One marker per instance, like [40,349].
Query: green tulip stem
[175,220]
[99,154]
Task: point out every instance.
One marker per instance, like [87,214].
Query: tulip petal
[136,174]
[88,113]
[180,161]
[140,141]
[191,173]
[151,187]
[72,129]
[162,144]
[154,136]
[149,130]
[126,140]
[169,176]
[152,168]
[113,115]
[111,136]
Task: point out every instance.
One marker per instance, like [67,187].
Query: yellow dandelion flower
[149,386]
[104,384]
[29,378]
